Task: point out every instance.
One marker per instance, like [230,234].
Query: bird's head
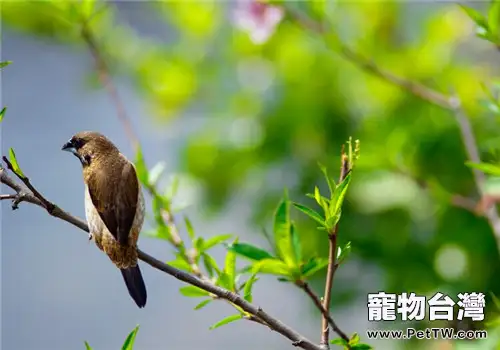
[88,146]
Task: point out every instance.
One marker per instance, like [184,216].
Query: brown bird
[114,205]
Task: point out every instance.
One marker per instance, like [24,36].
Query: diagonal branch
[105,78]
[305,286]
[415,88]
[257,313]
[451,103]
[469,141]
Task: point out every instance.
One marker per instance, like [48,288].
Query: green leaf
[87,346]
[198,244]
[15,165]
[477,17]
[485,168]
[224,280]
[180,264]
[156,172]
[494,18]
[4,64]
[317,195]
[193,292]
[338,341]
[247,291]
[215,240]
[2,113]
[297,249]
[203,304]
[189,227]
[361,346]
[171,190]
[338,198]
[329,181]
[343,253]
[87,8]
[227,320]
[249,251]
[354,339]
[313,265]
[230,268]
[210,264]
[140,166]
[282,232]
[272,267]
[129,342]
[311,213]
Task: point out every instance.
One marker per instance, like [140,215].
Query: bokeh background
[238,111]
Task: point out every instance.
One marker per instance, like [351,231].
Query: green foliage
[282,232]
[192,291]
[487,168]
[4,64]
[129,342]
[203,304]
[140,165]
[2,113]
[215,240]
[247,290]
[15,166]
[249,251]
[332,206]
[352,344]
[413,154]
[230,270]
[343,253]
[487,26]
[311,213]
[226,320]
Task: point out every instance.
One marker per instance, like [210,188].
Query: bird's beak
[69,147]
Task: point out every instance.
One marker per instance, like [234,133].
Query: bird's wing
[116,202]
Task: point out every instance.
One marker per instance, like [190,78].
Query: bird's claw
[90,236]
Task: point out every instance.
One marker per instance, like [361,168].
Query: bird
[114,205]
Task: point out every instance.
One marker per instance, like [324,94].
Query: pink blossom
[258,19]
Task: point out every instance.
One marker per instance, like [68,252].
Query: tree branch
[28,196]
[470,144]
[105,78]
[305,286]
[451,103]
[332,267]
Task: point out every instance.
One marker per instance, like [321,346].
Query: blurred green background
[266,107]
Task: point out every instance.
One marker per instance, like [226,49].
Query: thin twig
[275,324]
[369,66]
[472,150]
[105,78]
[47,205]
[305,286]
[332,265]
[451,103]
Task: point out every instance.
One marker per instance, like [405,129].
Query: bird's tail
[135,285]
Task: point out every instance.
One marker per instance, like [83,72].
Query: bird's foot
[91,236]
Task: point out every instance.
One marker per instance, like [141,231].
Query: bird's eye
[77,143]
